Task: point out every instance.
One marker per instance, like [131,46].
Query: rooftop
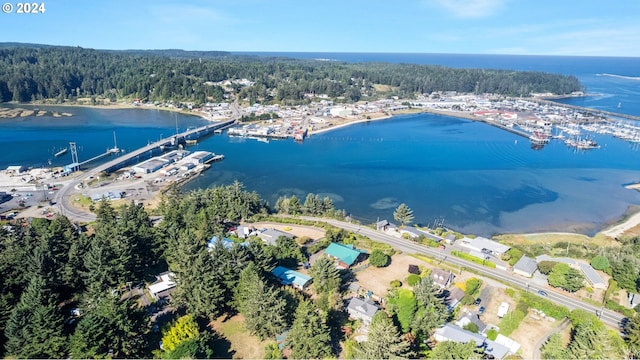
[526,264]
[344,253]
[291,277]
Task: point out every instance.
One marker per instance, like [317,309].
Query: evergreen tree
[326,277]
[403,214]
[554,348]
[264,307]
[632,336]
[309,336]
[111,327]
[432,311]
[313,205]
[384,341]
[34,328]
[455,351]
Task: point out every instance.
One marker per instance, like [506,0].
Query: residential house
[472,317]
[453,297]
[162,288]
[269,236]
[442,278]
[345,255]
[386,226]
[412,232]
[484,245]
[495,349]
[587,270]
[450,238]
[291,277]
[362,309]
[451,332]
[526,266]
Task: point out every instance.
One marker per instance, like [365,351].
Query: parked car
[542,293]
[477,302]
[481,310]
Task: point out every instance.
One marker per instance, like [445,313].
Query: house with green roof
[345,255]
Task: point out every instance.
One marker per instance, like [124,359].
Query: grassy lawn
[241,344]
[552,238]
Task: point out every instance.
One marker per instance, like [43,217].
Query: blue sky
[530,27]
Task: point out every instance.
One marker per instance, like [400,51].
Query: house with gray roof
[587,270]
[526,266]
[269,236]
[482,245]
[453,297]
[442,278]
[362,309]
[472,317]
[451,332]
[495,349]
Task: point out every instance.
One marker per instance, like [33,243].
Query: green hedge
[612,305]
[475,259]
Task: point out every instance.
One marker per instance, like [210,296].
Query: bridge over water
[196,133]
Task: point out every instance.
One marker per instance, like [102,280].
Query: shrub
[378,258]
[473,286]
[600,263]
[545,267]
[492,334]
[471,327]
[396,283]
[413,279]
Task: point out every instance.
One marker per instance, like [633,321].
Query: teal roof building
[291,277]
[347,255]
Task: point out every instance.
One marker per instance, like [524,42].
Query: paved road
[609,317]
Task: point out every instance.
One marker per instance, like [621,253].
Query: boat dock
[524,134]
[120,161]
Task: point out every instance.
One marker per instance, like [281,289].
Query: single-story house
[291,277]
[454,297]
[362,309]
[484,245]
[587,270]
[451,332]
[450,238]
[244,231]
[442,278]
[270,236]
[412,231]
[495,349]
[386,226]
[163,286]
[472,317]
[526,266]
[346,255]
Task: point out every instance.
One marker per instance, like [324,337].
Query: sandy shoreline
[120,106]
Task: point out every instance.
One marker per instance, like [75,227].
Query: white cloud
[469,8]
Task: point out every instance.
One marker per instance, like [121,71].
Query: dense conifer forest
[34,72]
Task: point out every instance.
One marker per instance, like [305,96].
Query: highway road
[609,317]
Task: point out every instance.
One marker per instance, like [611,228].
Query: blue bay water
[478,178]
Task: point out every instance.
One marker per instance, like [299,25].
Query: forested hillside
[29,73]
